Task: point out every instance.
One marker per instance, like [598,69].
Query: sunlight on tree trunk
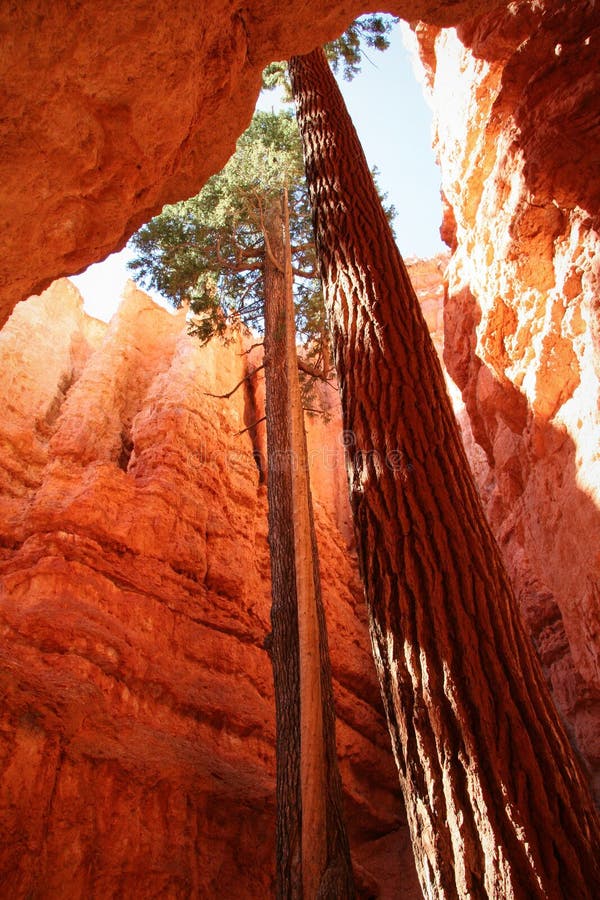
[495,799]
[241,253]
[312,750]
[284,611]
[313,857]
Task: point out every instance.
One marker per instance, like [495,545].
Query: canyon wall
[112,109]
[127,735]
[137,723]
[517,133]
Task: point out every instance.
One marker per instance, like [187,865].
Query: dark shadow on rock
[548,529]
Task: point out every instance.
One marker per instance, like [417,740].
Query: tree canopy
[209,251]
[345,53]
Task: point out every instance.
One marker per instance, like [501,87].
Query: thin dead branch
[250,427]
[315,373]
[238,385]
[251,348]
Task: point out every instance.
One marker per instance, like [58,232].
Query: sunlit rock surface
[130,753]
[111,109]
[137,725]
[515,96]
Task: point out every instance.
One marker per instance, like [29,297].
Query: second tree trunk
[313,857]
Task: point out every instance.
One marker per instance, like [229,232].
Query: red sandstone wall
[136,731]
[102,122]
[111,109]
[518,137]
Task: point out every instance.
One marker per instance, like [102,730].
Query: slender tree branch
[251,348]
[238,385]
[244,267]
[267,244]
[255,309]
[252,267]
[220,258]
[238,266]
[314,373]
[249,253]
[304,273]
[247,291]
[250,427]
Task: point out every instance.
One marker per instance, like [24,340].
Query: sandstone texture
[136,733]
[111,109]
[517,131]
[137,723]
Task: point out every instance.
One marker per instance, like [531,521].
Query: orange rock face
[518,132]
[110,110]
[137,726]
[137,732]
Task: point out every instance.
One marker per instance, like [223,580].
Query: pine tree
[232,252]
[496,802]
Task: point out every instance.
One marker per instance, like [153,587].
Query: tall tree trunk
[313,857]
[495,799]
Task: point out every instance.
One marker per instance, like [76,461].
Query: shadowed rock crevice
[53,411]
[253,406]
[126,449]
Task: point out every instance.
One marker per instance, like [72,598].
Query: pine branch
[314,373]
[304,273]
[268,250]
[247,291]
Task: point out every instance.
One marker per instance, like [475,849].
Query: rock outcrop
[111,109]
[137,725]
[515,95]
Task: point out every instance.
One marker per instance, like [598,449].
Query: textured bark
[496,801]
[284,611]
[312,750]
[313,855]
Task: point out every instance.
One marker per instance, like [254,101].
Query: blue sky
[394,124]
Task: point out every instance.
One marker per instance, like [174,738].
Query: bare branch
[244,267]
[247,291]
[304,273]
[250,427]
[239,266]
[238,385]
[250,253]
[220,258]
[253,310]
[310,370]
[267,243]
[251,348]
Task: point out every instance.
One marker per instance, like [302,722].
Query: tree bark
[496,802]
[284,648]
[313,856]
